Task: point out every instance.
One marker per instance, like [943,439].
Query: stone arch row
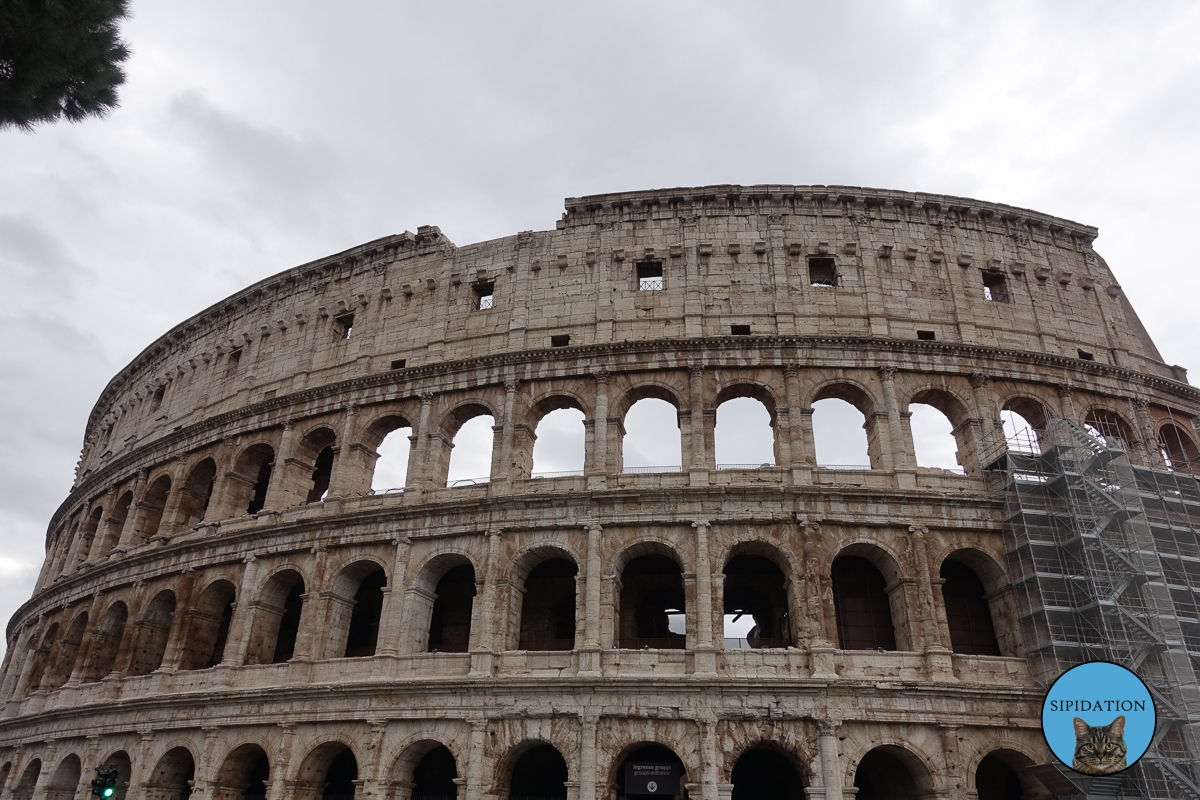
[536,591]
[544,758]
[335,454]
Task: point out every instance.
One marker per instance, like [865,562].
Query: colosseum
[232,608]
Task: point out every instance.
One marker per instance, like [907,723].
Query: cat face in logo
[1099,750]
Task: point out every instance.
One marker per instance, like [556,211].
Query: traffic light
[105,784]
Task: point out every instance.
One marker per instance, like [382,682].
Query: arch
[1024,420]
[625,401]
[862,609]
[150,509]
[4,772]
[766,771]
[39,658]
[28,781]
[208,626]
[968,613]
[652,602]
[1001,774]
[549,607]
[153,633]
[559,436]
[850,391]
[65,779]
[330,770]
[746,430]
[249,480]
[538,772]
[64,653]
[891,772]
[363,584]
[106,641]
[85,538]
[386,439]
[836,440]
[434,774]
[412,755]
[449,614]
[648,753]
[243,774]
[1110,425]
[173,776]
[316,456]
[473,460]
[756,587]
[1035,412]
[195,493]
[121,762]
[277,616]
[940,430]
[1178,449]
[648,441]
[114,525]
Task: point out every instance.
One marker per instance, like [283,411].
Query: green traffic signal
[108,791]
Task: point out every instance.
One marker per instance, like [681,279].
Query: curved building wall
[224,599]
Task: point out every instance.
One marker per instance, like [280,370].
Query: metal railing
[468,482]
[648,470]
[374,492]
[844,466]
[571,473]
[745,466]
[650,284]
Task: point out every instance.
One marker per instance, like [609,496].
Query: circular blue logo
[1098,718]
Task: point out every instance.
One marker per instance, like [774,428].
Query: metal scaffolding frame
[1103,551]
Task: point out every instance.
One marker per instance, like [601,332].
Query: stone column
[588,767]
[992,425]
[279,769]
[420,460]
[166,525]
[829,777]
[49,763]
[589,656]
[820,622]
[706,658]
[938,661]
[88,642]
[393,604]
[206,772]
[483,648]
[276,499]
[1145,427]
[131,518]
[343,479]
[475,760]
[895,455]
[954,768]
[711,787]
[505,431]
[90,756]
[598,467]
[238,639]
[372,779]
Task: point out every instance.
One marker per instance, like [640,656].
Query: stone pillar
[279,769]
[373,783]
[84,654]
[598,467]
[589,656]
[131,518]
[343,479]
[237,641]
[206,771]
[799,427]
[276,499]
[505,431]
[49,764]
[475,760]
[393,604]
[698,458]
[1149,447]
[589,788]
[895,455]
[949,735]
[90,756]
[167,524]
[140,768]
[420,458]
[706,658]
[829,778]
[938,661]
[711,787]
[483,647]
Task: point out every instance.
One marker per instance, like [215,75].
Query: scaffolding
[1104,554]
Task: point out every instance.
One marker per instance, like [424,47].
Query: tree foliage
[59,58]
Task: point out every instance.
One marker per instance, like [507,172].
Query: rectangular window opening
[267,395]
[398,363]
[739,330]
[650,276]
[1086,356]
[926,336]
[822,271]
[995,287]
[485,294]
[345,325]
[560,341]
[231,365]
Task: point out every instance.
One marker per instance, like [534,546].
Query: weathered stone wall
[162,603]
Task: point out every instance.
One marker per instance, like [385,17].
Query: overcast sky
[256,136]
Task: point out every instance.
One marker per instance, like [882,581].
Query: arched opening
[468,461]
[1003,775]
[558,446]
[843,436]
[652,610]
[1178,449]
[249,481]
[887,773]
[393,446]
[208,628]
[65,780]
[648,763]
[341,778]
[195,494]
[761,773]
[433,777]
[744,436]
[539,774]
[243,775]
[934,442]
[106,641]
[1109,426]
[755,604]
[38,660]
[173,776]
[4,770]
[277,619]
[362,634]
[85,538]
[967,611]
[1024,419]
[652,440]
[317,449]
[114,525]
[151,509]
[861,606]
[153,633]
[548,606]
[64,653]
[124,766]
[450,617]
[25,786]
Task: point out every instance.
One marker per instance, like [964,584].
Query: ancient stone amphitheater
[228,610]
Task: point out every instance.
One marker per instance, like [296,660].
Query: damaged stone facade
[227,611]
